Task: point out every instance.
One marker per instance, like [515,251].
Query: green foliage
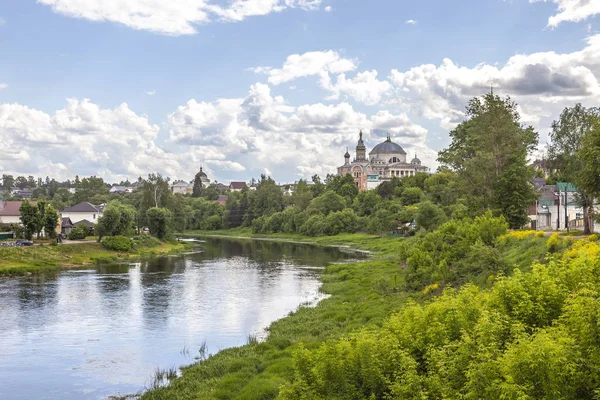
[327,202]
[50,221]
[117,243]
[30,219]
[78,233]
[489,152]
[430,216]
[159,221]
[457,251]
[411,195]
[117,219]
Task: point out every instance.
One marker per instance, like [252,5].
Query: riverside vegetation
[464,309]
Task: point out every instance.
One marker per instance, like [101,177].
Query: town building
[179,187]
[557,207]
[83,211]
[237,186]
[386,161]
[10,212]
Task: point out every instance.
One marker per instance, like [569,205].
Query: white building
[387,160]
[179,187]
[83,211]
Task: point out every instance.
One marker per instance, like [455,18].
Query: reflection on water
[89,334]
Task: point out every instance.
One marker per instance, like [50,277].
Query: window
[394,160]
[93,216]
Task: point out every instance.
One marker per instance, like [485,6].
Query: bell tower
[361,150]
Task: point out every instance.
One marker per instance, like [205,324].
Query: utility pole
[566,215]
[558,212]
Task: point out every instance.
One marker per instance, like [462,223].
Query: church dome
[202,173]
[415,160]
[387,147]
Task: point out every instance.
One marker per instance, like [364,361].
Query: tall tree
[155,189]
[588,177]
[197,189]
[566,151]
[489,154]
[50,221]
[30,217]
[8,181]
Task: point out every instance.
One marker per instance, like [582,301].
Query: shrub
[117,243]
[78,233]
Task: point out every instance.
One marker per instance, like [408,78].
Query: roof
[11,208]
[66,222]
[84,222]
[387,147]
[566,185]
[118,188]
[84,206]
[179,183]
[221,200]
[547,196]
[237,185]
[538,183]
[202,173]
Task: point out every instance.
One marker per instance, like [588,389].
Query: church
[385,161]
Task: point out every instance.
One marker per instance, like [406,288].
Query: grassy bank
[363,296]
[43,258]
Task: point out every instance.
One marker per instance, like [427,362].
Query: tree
[588,177]
[50,221]
[90,187]
[268,198]
[486,145]
[566,152]
[159,221]
[41,206]
[430,216]
[8,181]
[29,219]
[302,195]
[411,195]
[117,219]
[197,190]
[155,189]
[327,202]
[21,182]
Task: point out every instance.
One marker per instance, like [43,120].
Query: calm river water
[88,334]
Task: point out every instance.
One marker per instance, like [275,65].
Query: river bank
[47,257]
[362,297]
[362,294]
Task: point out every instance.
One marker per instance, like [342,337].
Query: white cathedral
[385,161]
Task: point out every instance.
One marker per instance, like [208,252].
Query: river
[88,334]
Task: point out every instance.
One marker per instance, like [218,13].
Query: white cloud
[82,139]
[307,64]
[2,21]
[173,17]
[151,92]
[549,78]
[410,22]
[364,87]
[3,86]
[572,10]
[328,9]
[262,132]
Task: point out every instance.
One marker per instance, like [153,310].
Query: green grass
[33,259]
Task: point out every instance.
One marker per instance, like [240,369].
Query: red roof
[11,208]
[237,185]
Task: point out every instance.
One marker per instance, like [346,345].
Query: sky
[123,88]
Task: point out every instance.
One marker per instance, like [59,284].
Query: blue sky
[245,87]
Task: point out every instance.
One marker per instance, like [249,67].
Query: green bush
[78,233]
[117,243]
